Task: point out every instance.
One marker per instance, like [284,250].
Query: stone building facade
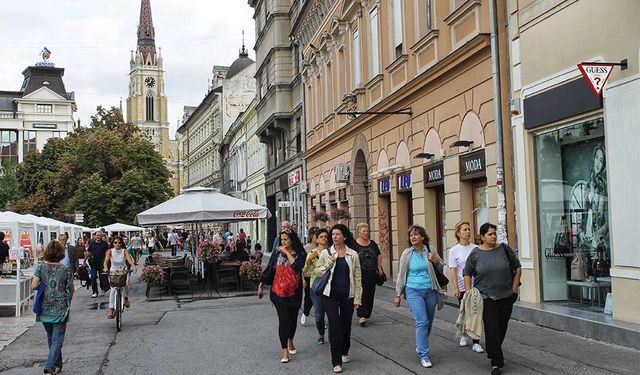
[279,107]
[415,76]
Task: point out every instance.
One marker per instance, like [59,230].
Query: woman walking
[56,301]
[457,259]
[306,272]
[496,274]
[285,266]
[119,258]
[417,281]
[371,266]
[343,292]
[322,237]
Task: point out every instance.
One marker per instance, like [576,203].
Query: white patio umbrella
[201,204]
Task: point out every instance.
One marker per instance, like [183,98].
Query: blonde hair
[360,226]
[459,227]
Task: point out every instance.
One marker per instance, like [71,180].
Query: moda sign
[434,175]
[473,165]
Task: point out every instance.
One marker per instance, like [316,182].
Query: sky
[92,40]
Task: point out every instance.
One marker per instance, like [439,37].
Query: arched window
[149,108]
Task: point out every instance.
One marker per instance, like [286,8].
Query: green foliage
[9,185]
[110,171]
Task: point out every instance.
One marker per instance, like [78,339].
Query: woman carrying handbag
[342,292]
[284,274]
[420,280]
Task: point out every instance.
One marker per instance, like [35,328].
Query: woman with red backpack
[284,273]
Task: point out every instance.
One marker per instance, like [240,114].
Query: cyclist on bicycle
[119,257]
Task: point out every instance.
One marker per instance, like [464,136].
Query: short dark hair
[258,247]
[322,230]
[313,231]
[484,228]
[348,237]
[54,252]
[421,231]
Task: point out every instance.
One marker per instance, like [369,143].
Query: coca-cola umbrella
[201,204]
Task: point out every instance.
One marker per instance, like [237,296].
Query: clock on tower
[150,81]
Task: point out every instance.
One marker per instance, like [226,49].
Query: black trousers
[339,310]
[460,301]
[97,276]
[496,317]
[368,293]
[308,303]
[287,322]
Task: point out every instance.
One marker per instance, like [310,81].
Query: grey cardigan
[401,281]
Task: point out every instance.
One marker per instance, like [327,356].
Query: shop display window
[572,207]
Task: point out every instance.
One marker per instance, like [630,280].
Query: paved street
[239,336]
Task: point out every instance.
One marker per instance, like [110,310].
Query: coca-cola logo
[247,213]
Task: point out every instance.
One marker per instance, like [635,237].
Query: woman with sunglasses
[287,261]
[119,257]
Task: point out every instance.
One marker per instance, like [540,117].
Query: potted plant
[340,214]
[250,271]
[208,252]
[321,217]
[153,274]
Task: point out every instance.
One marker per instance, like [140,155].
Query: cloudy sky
[92,40]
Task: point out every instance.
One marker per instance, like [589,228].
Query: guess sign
[247,214]
[404,181]
[384,186]
[473,165]
[434,175]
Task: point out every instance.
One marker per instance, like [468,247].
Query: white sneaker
[338,368]
[425,363]
[303,319]
[94,295]
[346,359]
[463,341]
[477,348]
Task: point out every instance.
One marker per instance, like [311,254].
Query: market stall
[14,288]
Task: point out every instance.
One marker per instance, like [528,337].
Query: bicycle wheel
[118,309]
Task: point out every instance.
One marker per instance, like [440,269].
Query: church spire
[146,32]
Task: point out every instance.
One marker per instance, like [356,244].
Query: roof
[240,64]
[6,100]
[36,76]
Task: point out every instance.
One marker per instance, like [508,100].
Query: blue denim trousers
[422,303]
[318,311]
[55,339]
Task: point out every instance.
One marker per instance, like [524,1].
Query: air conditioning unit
[342,173]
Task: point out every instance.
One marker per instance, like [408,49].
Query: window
[356,60]
[28,142]
[8,146]
[425,17]
[329,96]
[480,207]
[60,135]
[149,108]
[396,10]
[374,38]
[44,108]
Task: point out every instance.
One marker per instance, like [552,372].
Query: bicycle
[118,280]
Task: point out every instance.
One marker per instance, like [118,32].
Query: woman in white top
[119,257]
[457,259]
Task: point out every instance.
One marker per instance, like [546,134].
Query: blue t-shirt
[340,281]
[417,275]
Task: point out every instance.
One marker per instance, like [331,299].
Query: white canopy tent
[119,227]
[201,204]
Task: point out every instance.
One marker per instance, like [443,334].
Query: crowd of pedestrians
[338,274]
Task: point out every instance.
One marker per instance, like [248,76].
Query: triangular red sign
[596,75]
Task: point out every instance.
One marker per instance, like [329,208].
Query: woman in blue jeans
[56,302]
[322,237]
[417,282]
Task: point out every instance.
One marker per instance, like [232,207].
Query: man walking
[98,249]
[173,242]
[70,254]
[136,245]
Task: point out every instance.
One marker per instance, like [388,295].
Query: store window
[573,210]
[8,146]
[480,207]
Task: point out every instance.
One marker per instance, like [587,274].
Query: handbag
[37,302]
[269,273]
[511,256]
[577,266]
[381,278]
[320,283]
[561,243]
[442,279]
[285,282]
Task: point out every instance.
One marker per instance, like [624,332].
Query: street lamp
[424,155]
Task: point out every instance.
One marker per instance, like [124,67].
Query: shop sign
[404,181]
[294,177]
[342,194]
[284,204]
[434,175]
[384,186]
[473,165]
[247,214]
[45,126]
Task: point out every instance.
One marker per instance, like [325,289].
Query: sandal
[127,304]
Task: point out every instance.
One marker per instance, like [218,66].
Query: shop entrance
[385,229]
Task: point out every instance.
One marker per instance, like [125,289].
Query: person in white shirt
[136,245]
[173,241]
[457,259]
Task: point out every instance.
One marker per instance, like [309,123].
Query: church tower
[147,102]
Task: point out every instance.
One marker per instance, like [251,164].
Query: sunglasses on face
[116,242]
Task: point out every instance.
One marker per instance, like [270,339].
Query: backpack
[285,282]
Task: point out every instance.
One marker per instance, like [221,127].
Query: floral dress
[56,300]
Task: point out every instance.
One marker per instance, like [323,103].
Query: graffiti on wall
[383,225]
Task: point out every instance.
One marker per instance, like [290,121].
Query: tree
[110,171]
[9,184]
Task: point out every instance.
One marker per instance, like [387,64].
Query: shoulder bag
[442,279]
[37,303]
[511,256]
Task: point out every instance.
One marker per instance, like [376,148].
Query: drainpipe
[497,115]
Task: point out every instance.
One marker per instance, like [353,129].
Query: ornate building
[147,102]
